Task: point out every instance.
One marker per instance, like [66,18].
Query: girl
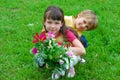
[54,22]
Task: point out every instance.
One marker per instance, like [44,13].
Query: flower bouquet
[50,54]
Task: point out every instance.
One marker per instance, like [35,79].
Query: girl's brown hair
[56,13]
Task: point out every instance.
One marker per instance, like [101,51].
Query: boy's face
[81,23]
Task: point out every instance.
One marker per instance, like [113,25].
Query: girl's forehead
[53,20]
[54,16]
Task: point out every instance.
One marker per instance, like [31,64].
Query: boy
[85,21]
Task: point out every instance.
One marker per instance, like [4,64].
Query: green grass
[20,19]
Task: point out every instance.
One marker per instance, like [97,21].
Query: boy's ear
[78,15]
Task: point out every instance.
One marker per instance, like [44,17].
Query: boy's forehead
[79,15]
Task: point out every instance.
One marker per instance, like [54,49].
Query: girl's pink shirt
[70,36]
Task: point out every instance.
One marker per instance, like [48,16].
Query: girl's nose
[52,25]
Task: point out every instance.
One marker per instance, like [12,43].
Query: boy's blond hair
[91,18]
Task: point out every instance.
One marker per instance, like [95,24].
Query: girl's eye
[56,22]
[49,22]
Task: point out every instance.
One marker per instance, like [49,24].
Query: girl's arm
[78,48]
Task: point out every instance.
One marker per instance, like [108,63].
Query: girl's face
[81,23]
[53,25]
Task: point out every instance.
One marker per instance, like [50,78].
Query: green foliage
[20,19]
[51,52]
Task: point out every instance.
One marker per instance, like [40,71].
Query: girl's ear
[43,22]
[62,24]
[44,26]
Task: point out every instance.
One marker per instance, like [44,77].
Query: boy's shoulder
[69,21]
[70,18]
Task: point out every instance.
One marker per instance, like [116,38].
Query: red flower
[38,38]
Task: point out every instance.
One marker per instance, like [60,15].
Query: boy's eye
[79,23]
[84,22]
[86,27]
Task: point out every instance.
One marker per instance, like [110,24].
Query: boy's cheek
[78,27]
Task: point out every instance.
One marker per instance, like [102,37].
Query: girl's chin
[53,32]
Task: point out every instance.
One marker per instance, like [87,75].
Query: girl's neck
[57,35]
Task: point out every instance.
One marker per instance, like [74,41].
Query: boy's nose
[79,23]
[83,25]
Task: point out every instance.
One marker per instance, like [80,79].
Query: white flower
[50,46]
[61,61]
[67,66]
[55,76]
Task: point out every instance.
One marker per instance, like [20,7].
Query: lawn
[20,19]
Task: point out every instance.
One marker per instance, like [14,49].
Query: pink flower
[34,50]
[72,72]
[69,53]
[50,35]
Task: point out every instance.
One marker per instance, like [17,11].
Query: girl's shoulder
[70,36]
